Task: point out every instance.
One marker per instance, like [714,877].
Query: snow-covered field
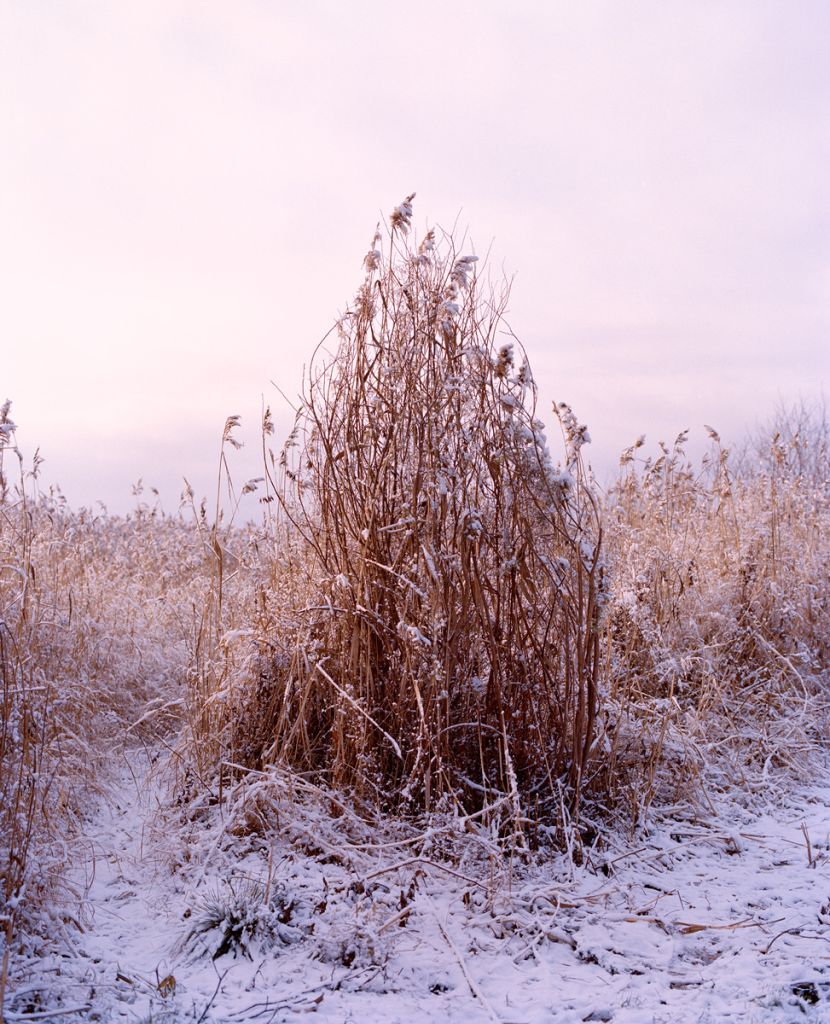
[467,638]
[715,916]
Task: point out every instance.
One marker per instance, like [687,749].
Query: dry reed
[718,629]
[99,616]
[433,619]
[447,647]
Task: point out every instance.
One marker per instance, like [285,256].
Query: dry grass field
[442,629]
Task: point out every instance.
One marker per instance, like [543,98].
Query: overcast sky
[187,191]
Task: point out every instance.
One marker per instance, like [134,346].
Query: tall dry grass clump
[718,629]
[449,648]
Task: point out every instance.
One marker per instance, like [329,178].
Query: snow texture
[723,916]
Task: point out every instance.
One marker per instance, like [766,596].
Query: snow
[715,916]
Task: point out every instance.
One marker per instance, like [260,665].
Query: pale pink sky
[187,191]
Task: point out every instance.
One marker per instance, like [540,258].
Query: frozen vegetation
[453,734]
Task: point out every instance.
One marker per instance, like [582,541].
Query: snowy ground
[718,918]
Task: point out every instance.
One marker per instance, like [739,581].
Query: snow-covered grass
[694,891]
[89,636]
[194,912]
[452,736]
[446,618]
[719,625]
[101,618]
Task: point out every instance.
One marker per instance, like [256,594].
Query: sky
[187,191]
